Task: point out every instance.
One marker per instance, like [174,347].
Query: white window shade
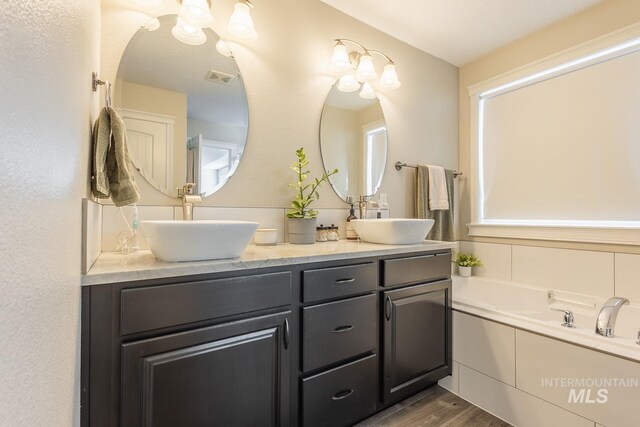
[565,150]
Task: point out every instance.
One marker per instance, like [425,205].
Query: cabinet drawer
[341,396]
[338,330]
[417,269]
[327,283]
[155,307]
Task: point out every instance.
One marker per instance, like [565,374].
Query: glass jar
[332,233]
[322,233]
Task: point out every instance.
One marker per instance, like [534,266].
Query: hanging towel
[113,176]
[438,194]
[101,142]
[124,190]
[443,219]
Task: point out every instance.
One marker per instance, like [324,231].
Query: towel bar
[400,165]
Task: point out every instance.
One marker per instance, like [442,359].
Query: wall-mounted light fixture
[195,15]
[357,67]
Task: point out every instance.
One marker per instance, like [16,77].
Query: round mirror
[185,108]
[353,139]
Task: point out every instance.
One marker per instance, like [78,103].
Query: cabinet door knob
[343,328]
[286,334]
[342,394]
[387,308]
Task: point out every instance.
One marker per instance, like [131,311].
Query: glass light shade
[366,71]
[348,83]
[389,78]
[152,4]
[188,34]
[196,13]
[340,62]
[152,25]
[367,92]
[223,48]
[241,24]
[197,8]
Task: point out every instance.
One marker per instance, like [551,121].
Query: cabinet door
[235,374]
[417,338]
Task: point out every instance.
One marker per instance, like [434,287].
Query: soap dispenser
[351,233]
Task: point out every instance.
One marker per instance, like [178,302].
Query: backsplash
[598,273]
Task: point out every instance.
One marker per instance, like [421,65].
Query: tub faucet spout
[606,322]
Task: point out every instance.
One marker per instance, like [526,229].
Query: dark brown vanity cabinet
[339,384]
[322,344]
[213,350]
[416,337]
[234,374]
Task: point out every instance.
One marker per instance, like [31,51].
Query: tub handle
[568,317]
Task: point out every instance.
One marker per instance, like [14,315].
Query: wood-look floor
[433,407]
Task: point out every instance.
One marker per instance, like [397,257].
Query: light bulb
[348,83]
[340,62]
[389,77]
[152,25]
[223,49]
[366,71]
[196,13]
[367,92]
[188,34]
[240,23]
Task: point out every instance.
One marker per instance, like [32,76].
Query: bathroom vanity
[321,335]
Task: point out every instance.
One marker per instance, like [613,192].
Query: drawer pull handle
[286,334]
[342,394]
[341,281]
[344,328]
[387,308]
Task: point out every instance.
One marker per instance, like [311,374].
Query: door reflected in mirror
[353,139]
[185,108]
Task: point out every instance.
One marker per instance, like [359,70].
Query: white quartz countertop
[113,267]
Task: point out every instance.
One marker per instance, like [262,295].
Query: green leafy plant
[306,194]
[468,260]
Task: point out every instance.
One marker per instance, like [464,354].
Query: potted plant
[301,218]
[466,262]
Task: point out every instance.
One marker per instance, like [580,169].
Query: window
[557,148]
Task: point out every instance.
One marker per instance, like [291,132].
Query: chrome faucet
[362,204]
[606,322]
[568,318]
[188,199]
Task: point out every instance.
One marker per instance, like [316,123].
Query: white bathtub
[529,308]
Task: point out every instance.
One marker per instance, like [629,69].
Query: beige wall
[599,20]
[287,80]
[160,101]
[48,51]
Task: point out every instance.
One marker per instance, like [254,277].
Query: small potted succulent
[466,262]
[301,218]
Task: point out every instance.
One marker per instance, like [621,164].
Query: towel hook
[95,82]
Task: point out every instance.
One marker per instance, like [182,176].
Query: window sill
[615,235]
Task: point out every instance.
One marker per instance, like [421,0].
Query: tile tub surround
[599,273]
[113,267]
[506,341]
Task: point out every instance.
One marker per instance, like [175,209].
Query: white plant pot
[302,231]
[464,271]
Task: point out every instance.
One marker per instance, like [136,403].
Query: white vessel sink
[392,231]
[173,241]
